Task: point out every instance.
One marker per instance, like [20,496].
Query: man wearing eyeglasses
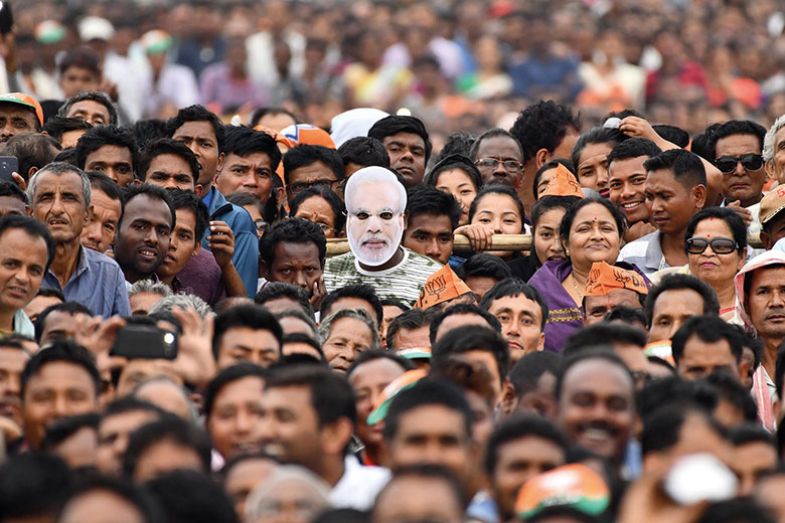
[307,166]
[499,157]
[375,205]
[737,146]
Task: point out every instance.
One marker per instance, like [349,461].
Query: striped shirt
[645,253]
[402,282]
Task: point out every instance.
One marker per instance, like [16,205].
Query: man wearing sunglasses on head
[737,147]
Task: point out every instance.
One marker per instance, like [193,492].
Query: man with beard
[60,198]
[375,204]
[144,231]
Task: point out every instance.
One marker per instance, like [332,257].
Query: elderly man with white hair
[375,205]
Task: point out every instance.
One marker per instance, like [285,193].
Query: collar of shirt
[655,260]
[208,198]
[82,265]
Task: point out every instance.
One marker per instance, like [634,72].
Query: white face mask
[374,240]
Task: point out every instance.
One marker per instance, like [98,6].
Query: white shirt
[359,485]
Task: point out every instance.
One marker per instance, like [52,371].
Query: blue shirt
[97,283]
[246,242]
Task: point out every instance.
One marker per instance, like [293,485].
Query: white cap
[95,28]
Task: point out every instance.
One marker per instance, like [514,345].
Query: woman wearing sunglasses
[716,245]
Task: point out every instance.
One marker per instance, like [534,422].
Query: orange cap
[443,285]
[25,100]
[575,486]
[604,278]
[307,134]
[563,184]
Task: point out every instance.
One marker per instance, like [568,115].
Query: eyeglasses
[718,245]
[298,187]
[750,162]
[491,163]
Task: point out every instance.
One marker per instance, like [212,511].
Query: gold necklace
[575,285]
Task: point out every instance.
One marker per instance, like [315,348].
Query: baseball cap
[415,353]
[574,486]
[405,381]
[95,28]
[25,100]
[49,32]
[156,41]
[771,204]
[306,134]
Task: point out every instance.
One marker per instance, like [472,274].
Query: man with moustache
[737,147]
[144,232]
[375,204]
[60,198]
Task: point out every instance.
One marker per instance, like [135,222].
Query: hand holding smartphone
[8,166]
[145,342]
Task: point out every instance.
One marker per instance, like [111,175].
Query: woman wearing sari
[590,231]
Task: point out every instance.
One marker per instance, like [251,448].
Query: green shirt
[402,282]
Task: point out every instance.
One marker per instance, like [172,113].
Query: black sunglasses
[718,245]
[727,164]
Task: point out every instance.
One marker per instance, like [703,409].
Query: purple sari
[564,316]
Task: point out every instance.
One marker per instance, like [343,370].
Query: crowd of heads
[388,263]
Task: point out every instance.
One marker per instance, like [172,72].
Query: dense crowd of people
[314,262]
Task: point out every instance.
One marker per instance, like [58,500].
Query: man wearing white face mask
[375,205]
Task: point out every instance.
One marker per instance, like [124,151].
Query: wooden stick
[499,242]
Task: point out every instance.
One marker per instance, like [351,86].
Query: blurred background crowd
[458,65]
